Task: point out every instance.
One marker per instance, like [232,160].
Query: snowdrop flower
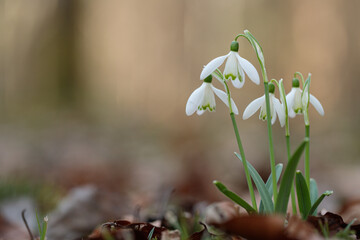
[298,101]
[235,67]
[276,107]
[203,99]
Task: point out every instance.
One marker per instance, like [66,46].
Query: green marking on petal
[298,110]
[204,107]
[230,75]
[263,115]
[240,77]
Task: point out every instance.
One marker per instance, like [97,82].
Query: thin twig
[26,224]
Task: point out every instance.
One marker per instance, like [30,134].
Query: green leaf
[39,225]
[44,228]
[287,179]
[234,197]
[278,170]
[318,201]
[314,192]
[303,195]
[260,185]
[151,233]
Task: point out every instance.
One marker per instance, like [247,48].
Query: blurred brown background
[96,90]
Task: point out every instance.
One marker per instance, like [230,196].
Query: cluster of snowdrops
[274,194]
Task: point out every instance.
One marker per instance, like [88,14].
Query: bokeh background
[95,92]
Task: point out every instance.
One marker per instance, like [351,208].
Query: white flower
[276,108]
[235,67]
[297,102]
[203,99]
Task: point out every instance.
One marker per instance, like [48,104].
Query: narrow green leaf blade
[260,185]
[151,233]
[303,195]
[278,170]
[39,225]
[287,179]
[318,201]
[314,192]
[44,229]
[234,197]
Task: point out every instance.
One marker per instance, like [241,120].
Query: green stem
[307,156]
[241,149]
[261,59]
[301,76]
[293,197]
[240,35]
[271,145]
[229,96]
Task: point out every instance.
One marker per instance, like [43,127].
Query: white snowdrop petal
[224,97]
[253,107]
[236,83]
[273,118]
[230,69]
[194,100]
[249,69]
[221,94]
[209,98]
[272,108]
[242,74]
[317,105]
[200,112]
[279,108]
[291,113]
[234,107]
[212,66]
[290,98]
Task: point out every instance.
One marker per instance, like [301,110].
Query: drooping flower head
[235,67]
[275,108]
[203,99]
[298,100]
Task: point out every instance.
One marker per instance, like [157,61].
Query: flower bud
[295,83]
[208,79]
[271,88]
[234,46]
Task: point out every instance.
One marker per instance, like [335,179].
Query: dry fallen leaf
[255,227]
[119,228]
[334,222]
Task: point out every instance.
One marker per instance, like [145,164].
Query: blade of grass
[303,195]
[278,170]
[39,225]
[44,229]
[234,197]
[318,201]
[314,192]
[287,179]
[151,233]
[260,185]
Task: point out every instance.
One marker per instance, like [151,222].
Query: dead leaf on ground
[334,222]
[120,229]
[255,227]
